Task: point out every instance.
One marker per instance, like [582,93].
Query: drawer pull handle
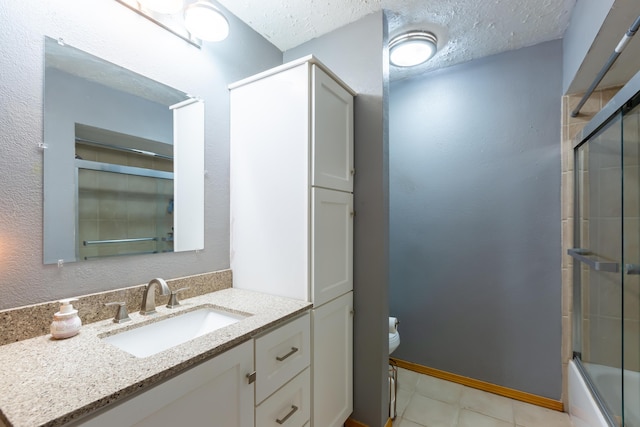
[281,358]
[294,408]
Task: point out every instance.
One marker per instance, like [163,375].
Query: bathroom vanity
[210,380]
[220,391]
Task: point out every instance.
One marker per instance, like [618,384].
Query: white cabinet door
[332,248]
[214,393]
[332,133]
[333,362]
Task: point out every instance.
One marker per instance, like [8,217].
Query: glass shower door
[631,277]
[597,260]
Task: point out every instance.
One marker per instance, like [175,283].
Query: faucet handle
[173,299]
[122,315]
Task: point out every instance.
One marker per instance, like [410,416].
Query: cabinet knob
[251,378]
[353,172]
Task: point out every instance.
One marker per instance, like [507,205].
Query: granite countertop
[48,382]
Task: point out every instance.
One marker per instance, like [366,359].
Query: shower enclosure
[606,268]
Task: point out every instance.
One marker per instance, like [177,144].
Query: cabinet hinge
[251,377]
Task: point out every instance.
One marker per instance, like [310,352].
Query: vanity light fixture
[412,48]
[205,21]
[163,6]
[194,21]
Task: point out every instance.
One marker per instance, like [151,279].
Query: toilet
[394,335]
[394,342]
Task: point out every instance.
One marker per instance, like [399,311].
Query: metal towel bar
[139,239]
[582,255]
[122,254]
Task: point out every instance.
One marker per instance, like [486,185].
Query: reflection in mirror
[109,187]
[126,179]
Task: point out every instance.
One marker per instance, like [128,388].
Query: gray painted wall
[357,54]
[142,47]
[475,218]
[586,19]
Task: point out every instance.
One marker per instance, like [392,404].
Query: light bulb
[206,22]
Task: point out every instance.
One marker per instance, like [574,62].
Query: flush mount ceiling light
[412,48]
[206,22]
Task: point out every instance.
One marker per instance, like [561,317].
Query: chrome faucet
[149,296]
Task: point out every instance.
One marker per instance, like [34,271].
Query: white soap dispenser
[66,322]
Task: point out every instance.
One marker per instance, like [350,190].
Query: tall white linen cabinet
[292,211]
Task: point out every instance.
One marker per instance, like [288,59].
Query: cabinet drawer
[281,354]
[288,407]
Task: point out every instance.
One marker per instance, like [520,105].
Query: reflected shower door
[123,214]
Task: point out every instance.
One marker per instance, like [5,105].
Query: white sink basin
[155,337]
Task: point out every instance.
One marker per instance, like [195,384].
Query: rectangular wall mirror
[123,161]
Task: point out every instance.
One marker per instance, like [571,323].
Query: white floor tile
[473,419]
[527,415]
[486,403]
[404,396]
[430,412]
[401,422]
[438,389]
[407,379]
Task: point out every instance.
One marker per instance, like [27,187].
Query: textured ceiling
[466,29]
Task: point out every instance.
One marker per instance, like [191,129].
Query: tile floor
[432,402]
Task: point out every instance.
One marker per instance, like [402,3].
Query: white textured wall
[107,29]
